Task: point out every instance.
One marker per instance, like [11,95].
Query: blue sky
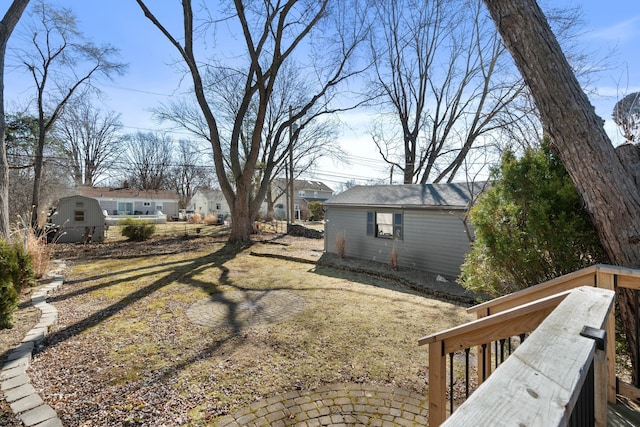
[152,79]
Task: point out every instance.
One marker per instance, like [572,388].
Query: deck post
[600,377]
[606,281]
[437,384]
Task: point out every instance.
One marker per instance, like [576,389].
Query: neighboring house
[79,219]
[423,223]
[305,192]
[128,201]
[205,201]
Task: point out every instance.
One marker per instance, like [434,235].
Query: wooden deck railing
[516,315]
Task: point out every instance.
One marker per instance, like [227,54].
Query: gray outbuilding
[80,219]
[423,223]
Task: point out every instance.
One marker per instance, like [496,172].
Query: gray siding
[92,216]
[433,240]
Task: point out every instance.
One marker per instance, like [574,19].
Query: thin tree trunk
[577,134]
[37,180]
[8,23]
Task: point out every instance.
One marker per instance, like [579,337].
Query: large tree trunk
[241,223]
[577,134]
[8,23]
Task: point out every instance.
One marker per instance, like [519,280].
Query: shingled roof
[126,193]
[426,196]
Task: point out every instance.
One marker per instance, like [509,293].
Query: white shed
[80,219]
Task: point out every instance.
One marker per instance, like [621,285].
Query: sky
[152,79]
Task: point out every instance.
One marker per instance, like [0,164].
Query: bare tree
[21,141]
[271,33]
[147,160]
[7,25]
[61,62]
[606,184]
[313,136]
[445,82]
[90,140]
[188,171]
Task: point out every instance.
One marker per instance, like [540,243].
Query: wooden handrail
[515,314]
[627,278]
[515,321]
[539,384]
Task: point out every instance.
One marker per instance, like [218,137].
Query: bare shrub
[393,260]
[210,219]
[341,242]
[195,218]
[41,253]
[35,244]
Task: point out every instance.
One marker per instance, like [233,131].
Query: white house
[305,192]
[129,201]
[206,201]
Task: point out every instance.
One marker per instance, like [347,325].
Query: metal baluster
[509,346]
[496,353]
[484,364]
[637,384]
[522,337]
[466,373]
[501,350]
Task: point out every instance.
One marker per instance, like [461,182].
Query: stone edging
[14,381]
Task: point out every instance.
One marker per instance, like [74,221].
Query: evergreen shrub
[137,230]
[530,226]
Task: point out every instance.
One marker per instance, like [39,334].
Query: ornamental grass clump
[210,219]
[341,243]
[137,230]
[195,218]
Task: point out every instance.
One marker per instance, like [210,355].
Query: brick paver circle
[245,308]
[335,405]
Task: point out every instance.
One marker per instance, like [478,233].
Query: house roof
[210,193]
[126,193]
[429,196]
[304,184]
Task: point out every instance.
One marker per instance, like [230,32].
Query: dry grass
[40,252]
[393,259]
[341,243]
[210,219]
[125,349]
[195,218]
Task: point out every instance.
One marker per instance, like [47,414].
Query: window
[386,225]
[218,206]
[301,193]
[125,208]
[78,216]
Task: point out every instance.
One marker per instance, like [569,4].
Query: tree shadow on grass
[167,267]
[182,272]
